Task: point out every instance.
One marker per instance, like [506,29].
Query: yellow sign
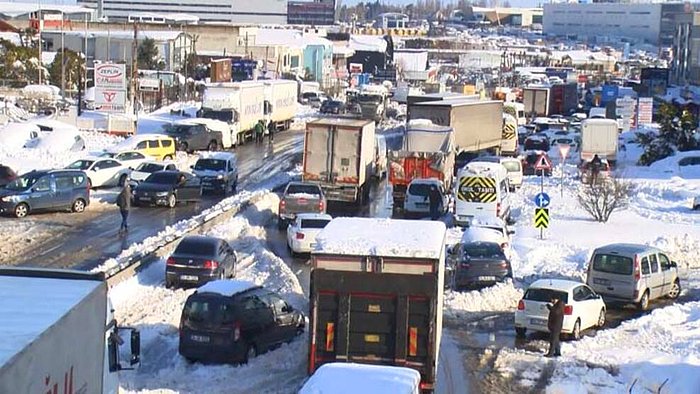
[541,218]
[477,189]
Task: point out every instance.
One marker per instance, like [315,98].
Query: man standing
[271,128]
[434,198]
[554,324]
[124,204]
[596,163]
[259,130]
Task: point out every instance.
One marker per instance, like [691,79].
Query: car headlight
[220,176]
[162,194]
[5,199]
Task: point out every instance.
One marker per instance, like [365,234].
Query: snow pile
[351,378]
[226,288]
[305,114]
[502,297]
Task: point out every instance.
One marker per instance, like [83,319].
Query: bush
[601,199]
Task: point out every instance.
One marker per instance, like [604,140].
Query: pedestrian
[271,128]
[434,198]
[124,204]
[554,324]
[259,130]
[595,164]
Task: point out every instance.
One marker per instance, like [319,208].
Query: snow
[351,378]
[302,195]
[382,237]
[226,288]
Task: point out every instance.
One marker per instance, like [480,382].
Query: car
[696,203]
[482,189]
[233,321]
[583,308]
[143,170]
[301,233]
[513,166]
[159,146]
[132,159]
[633,274]
[479,263]
[343,377]
[333,107]
[45,190]
[192,137]
[167,188]
[566,141]
[60,140]
[299,197]
[199,259]
[218,172]
[7,175]
[102,171]
[16,135]
[530,159]
[211,125]
[586,173]
[536,142]
[417,201]
[489,228]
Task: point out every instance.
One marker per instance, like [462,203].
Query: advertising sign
[110,100]
[609,93]
[646,110]
[110,76]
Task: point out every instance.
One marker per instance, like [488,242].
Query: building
[523,17]
[315,13]
[208,11]
[654,23]
[685,68]
[391,20]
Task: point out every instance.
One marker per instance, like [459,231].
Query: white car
[102,171]
[302,232]
[417,201]
[489,229]
[132,159]
[60,140]
[17,135]
[583,308]
[143,170]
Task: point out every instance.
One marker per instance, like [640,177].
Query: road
[85,241]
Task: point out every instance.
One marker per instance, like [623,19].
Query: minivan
[512,165]
[417,201]
[218,172]
[46,190]
[234,321]
[160,146]
[482,189]
[629,273]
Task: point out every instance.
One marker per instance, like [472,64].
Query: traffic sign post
[563,152]
[542,165]
[542,200]
[541,220]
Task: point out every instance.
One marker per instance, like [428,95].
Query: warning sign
[477,189]
[543,163]
[541,218]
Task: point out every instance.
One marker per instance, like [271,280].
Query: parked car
[7,175]
[218,172]
[234,321]
[489,228]
[16,135]
[586,173]
[198,259]
[536,142]
[513,166]
[159,146]
[417,201]
[192,137]
[301,234]
[46,190]
[149,167]
[583,308]
[101,171]
[132,159]
[633,274]
[334,107]
[167,188]
[530,160]
[479,263]
[60,140]
[300,197]
[566,141]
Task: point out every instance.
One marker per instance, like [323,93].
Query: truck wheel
[520,332]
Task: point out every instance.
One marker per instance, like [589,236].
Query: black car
[198,259]
[480,264]
[167,188]
[334,107]
[529,163]
[191,137]
[7,175]
[537,142]
[233,321]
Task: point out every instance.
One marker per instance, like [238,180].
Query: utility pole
[39,23]
[63,59]
[134,68]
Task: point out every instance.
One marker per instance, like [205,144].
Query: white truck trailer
[240,104]
[280,102]
[599,137]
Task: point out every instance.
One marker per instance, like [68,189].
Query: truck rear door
[332,154]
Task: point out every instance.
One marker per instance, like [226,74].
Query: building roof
[14,10]
[367,43]
[289,37]
[156,35]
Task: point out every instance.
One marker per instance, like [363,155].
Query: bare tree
[600,199]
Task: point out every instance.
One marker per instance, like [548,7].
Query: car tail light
[171,261]
[321,206]
[498,209]
[211,264]
[282,206]
[504,265]
[637,271]
[568,310]
[236,331]
[521,305]
[504,245]
[300,235]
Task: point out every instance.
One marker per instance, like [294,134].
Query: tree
[19,64]
[147,56]
[601,199]
[677,132]
[73,66]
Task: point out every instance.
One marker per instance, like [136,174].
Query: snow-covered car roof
[482,234]
[351,378]
[555,284]
[227,288]
[53,124]
[487,221]
[382,237]
[217,155]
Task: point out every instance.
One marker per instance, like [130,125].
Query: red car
[530,160]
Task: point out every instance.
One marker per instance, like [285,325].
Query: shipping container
[240,104]
[280,102]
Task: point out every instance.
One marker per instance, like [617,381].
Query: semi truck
[373,100]
[599,137]
[58,333]
[280,102]
[477,124]
[339,156]
[558,99]
[240,104]
[428,152]
[422,98]
[378,299]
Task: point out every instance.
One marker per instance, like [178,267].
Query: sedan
[149,167]
[132,159]
[301,234]
[198,260]
[584,308]
[333,107]
[167,188]
[7,175]
[102,171]
[479,264]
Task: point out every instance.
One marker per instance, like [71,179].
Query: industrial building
[315,13]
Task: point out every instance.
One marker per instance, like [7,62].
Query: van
[417,201]
[629,273]
[513,166]
[159,146]
[482,189]
[46,190]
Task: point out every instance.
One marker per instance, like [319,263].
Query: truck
[378,299]
[599,137]
[422,98]
[240,104]
[477,124]
[428,152]
[373,100]
[558,99]
[58,333]
[339,156]
[280,102]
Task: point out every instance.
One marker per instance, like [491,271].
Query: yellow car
[158,146]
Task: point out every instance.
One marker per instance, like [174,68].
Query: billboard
[110,76]
[654,82]
[109,100]
[609,93]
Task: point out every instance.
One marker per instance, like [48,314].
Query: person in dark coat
[124,204]
[271,128]
[596,164]
[434,199]
[554,324]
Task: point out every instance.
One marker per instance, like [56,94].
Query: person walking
[596,163]
[124,204]
[434,199]
[271,128]
[554,324]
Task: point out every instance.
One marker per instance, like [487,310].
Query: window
[108,164]
[43,185]
[278,304]
[654,266]
[545,295]
[645,266]
[314,223]
[166,143]
[652,259]
[612,264]
[65,182]
[582,293]
[665,263]
[153,144]
[141,145]
[504,187]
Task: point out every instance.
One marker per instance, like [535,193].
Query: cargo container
[280,102]
[599,137]
[240,104]
[559,99]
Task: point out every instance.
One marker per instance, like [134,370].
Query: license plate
[200,338]
[189,277]
[538,322]
[371,338]
[486,278]
[144,199]
[601,281]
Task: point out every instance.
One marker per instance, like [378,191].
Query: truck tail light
[300,235]
[521,305]
[637,271]
[568,310]
[413,341]
[330,333]
[504,265]
[236,330]
[170,261]
[211,264]
[282,206]
[425,386]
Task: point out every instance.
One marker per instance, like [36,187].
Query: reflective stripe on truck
[477,189]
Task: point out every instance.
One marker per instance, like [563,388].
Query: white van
[513,166]
[482,189]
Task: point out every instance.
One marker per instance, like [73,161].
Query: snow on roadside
[502,297]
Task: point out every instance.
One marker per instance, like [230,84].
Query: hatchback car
[198,259]
[629,273]
[234,321]
[479,264]
[45,190]
[167,188]
[159,146]
[417,201]
[302,232]
[102,171]
[583,308]
[333,107]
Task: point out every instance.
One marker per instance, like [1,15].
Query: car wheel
[213,146]
[168,157]
[169,284]
[78,206]
[250,353]
[21,210]
[601,318]
[172,201]
[675,290]
[520,332]
[644,301]
[576,332]
[122,180]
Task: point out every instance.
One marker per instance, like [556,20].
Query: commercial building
[685,68]
[315,13]
[208,11]
[654,23]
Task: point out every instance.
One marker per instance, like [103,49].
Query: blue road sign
[542,200]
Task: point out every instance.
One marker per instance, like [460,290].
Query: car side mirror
[287,309]
[673,264]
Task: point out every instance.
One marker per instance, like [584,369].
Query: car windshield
[196,247]
[210,164]
[314,223]
[419,189]
[483,250]
[545,295]
[511,166]
[178,129]
[149,167]
[612,264]
[80,165]
[303,189]
[23,183]
[163,178]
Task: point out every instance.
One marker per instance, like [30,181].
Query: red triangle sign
[543,163]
